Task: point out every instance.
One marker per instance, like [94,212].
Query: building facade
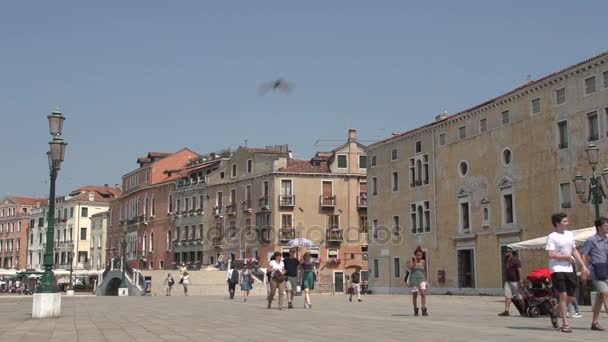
[99,234]
[37,238]
[140,216]
[465,186]
[14,224]
[250,203]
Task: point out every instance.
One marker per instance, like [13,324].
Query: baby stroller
[541,298]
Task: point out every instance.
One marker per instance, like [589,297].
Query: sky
[137,76]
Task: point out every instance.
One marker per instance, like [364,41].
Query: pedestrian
[185,280]
[232,278]
[246,282]
[355,284]
[562,253]
[182,269]
[169,282]
[514,281]
[417,280]
[291,268]
[268,273]
[309,276]
[277,279]
[595,254]
[220,262]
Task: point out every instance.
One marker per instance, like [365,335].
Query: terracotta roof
[305,166]
[28,200]
[531,83]
[158,154]
[102,190]
[103,213]
[262,150]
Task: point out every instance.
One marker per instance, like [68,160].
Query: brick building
[14,225]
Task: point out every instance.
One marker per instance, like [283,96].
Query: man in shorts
[595,254]
[514,279]
[562,253]
[291,268]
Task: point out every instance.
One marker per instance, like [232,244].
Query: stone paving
[215,318]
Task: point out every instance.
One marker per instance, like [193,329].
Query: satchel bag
[350,290]
[600,271]
[279,276]
[407,276]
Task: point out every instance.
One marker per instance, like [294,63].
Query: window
[82,257]
[508,207]
[562,134]
[465,224]
[363,162]
[535,105]
[376,269]
[375,229]
[418,146]
[222,175]
[396,226]
[483,125]
[427,216]
[342,161]
[18,226]
[395,181]
[442,140]
[462,132]
[233,174]
[373,161]
[374,186]
[153,206]
[396,268]
[590,85]
[505,116]
[420,217]
[84,212]
[249,165]
[593,127]
[72,212]
[170,203]
[83,233]
[394,154]
[560,96]
[178,205]
[605,79]
[463,168]
[506,157]
[168,242]
[564,190]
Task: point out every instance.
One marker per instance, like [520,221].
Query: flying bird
[279,85]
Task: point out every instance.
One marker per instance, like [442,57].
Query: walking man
[291,270]
[514,279]
[355,284]
[562,253]
[232,277]
[595,254]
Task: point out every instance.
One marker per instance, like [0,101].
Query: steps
[206,282]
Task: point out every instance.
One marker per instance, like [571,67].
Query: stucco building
[99,234]
[468,184]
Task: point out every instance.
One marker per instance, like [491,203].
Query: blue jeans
[573,306]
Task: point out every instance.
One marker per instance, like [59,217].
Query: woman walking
[185,283]
[246,282]
[169,284]
[309,275]
[417,281]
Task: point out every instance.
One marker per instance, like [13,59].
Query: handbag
[279,276]
[350,290]
[407,275]
[600,270]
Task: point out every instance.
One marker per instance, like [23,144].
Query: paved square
[206,318]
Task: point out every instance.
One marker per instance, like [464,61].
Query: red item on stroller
[540,296]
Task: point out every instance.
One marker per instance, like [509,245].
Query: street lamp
[50,306]
[123,283]
[596,192]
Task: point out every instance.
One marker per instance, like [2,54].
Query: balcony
[135,220]
[364,238]
[264,234]
[199,211]
[246,205]
[287,200]
[362,200]
[231,209]
[217,241]
[327,201]
[334,235]
[264,203]
[286,234]
[217,211]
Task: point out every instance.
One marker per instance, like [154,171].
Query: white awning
[580,236]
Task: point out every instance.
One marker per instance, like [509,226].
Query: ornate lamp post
[124,288]
[596,192]
[47,301]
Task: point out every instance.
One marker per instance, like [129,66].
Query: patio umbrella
[301,242]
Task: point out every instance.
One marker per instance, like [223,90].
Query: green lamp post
[56,155]
[123,283]
[596,192]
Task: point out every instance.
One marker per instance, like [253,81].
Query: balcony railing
[246,205]
[286,234]
[563,145]
[362,200]
[264,234]
[334,235]
[287,200]
[217,241]
[327,201]
[217,211]
[264,202]
[364,238]
[231,209]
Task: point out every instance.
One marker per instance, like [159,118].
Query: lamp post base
[123,291]
[46,305]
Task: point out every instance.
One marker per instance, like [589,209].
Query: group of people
[291,275]
[563,256]
[184,280]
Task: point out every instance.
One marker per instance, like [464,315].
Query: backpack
[171,281]
[234,277]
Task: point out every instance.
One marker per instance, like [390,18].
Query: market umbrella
[301,242]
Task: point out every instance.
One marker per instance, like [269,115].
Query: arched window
[419,170]
[151,247]
[144,242]
[420,219]
[168,240]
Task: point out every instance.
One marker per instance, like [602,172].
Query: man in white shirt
[232,278]
[277,279]
[562,253]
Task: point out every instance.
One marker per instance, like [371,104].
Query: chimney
[441,116]
[352,134]
[91,197]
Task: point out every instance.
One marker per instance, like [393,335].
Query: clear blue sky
[139,76]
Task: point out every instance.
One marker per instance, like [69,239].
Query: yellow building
[468,184]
